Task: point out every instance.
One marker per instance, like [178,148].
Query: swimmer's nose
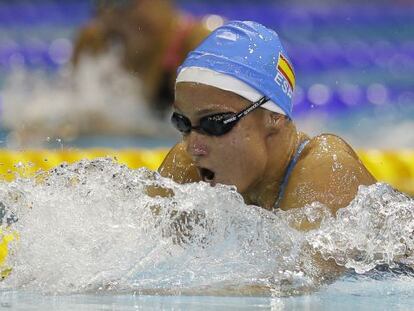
[196,146]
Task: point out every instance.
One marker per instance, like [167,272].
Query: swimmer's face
[238,157]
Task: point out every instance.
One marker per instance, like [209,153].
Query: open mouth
[206,174]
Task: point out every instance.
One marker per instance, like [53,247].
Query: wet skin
[254,155]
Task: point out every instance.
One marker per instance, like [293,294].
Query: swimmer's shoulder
[179,166]
[327,147]
[324,151]
[329,171]
[327,143]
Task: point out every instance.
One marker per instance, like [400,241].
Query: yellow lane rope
[394,167]
[26,163]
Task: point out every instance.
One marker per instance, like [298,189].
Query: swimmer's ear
[274,121]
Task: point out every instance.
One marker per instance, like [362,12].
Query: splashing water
[96,97]
[376,228]
[97,226]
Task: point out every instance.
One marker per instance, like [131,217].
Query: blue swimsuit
[289,171]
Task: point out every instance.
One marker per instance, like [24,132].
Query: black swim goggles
[216,124]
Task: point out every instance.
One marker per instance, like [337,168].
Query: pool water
[346,294]
[92,238]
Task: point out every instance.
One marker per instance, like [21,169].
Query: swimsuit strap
[289,171]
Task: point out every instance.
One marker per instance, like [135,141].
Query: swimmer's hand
[179,166]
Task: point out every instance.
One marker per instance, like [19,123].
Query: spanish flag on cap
[286,70]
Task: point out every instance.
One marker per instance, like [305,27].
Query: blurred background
[100,73]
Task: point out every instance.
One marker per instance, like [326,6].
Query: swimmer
[233,107]
[130,48]
[153,37]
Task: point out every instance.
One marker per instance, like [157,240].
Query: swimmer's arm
[90,40]
[330,174]
[342,178]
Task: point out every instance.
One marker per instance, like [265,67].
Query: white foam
[91,226]
[97,97]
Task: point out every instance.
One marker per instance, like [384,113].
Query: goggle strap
[247,110]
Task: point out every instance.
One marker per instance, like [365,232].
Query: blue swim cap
[251,53]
